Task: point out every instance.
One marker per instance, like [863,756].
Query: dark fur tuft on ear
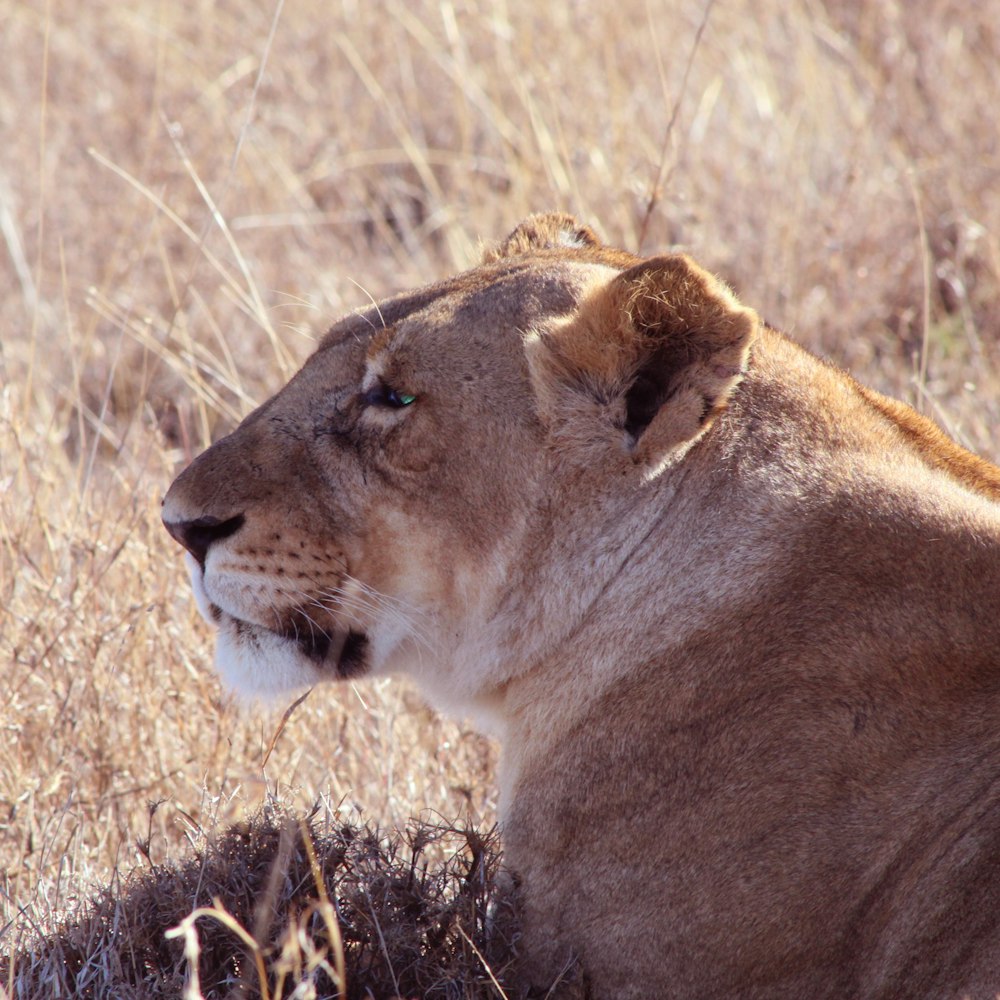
[550,231]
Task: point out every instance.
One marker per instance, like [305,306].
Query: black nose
[197,535]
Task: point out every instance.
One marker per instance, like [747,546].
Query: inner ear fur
[667,343]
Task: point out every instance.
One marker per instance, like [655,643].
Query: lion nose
[197,535]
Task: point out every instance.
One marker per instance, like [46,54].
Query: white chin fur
[250,664]
[262,664]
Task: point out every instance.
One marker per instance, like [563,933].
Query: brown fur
[735,618]
[936,447]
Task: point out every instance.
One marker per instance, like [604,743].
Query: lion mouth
[345,651]
[342,653]
[339,650]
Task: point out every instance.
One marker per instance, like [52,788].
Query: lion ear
[659,349]
[543,232]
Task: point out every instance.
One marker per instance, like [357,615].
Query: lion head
[393,505]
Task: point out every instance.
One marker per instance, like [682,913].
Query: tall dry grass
[190,192]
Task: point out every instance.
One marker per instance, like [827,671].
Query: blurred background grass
[191,192]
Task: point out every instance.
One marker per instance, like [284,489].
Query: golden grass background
[191,192]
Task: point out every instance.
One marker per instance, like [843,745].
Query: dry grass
[190,192]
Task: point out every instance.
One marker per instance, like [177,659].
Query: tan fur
[735,618]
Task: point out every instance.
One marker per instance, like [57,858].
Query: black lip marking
[316,645]
[346,652]
[353,660]
[314,642]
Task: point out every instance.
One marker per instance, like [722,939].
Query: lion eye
[397,399]
[382,395]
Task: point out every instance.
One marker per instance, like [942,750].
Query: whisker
[372,602]
[299,611]
[351,597]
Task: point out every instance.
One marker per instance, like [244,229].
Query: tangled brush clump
[277,907]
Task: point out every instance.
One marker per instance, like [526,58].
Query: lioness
[734,617]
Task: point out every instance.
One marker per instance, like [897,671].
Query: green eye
[397,399]
[382,395]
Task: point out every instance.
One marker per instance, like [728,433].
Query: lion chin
[734,617]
